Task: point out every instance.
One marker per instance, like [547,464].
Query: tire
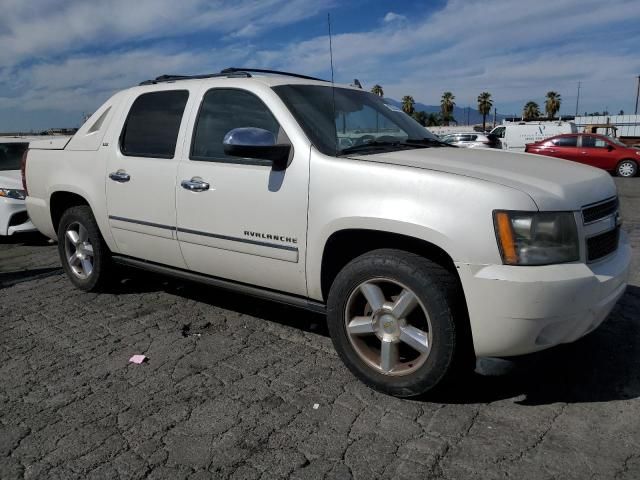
[627,168]
[358,324]
[86,246]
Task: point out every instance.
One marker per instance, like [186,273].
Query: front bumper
[13,217]
[520,310]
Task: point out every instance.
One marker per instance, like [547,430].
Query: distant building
[60,131]
[51,131]
[627,125]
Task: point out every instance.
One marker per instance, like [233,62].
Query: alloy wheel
[78,249]
[388,327]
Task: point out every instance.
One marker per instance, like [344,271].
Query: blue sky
[60,58]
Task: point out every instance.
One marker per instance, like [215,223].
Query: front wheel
[627,168]
[84,255]
[390,315]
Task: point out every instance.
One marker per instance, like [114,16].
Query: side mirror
[252,142]
[610,147]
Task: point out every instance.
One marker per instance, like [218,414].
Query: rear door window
[566,141]
[11,155]
[151,128]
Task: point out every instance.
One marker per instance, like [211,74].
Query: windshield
[499,131]
[11,155]
[361,119]
[616,141]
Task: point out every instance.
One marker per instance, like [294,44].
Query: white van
[514,136]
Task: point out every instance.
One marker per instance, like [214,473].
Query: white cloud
[515,50]
[393,17]
[36,29]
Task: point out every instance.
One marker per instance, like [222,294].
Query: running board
[263,293]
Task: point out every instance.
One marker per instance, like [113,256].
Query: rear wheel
[390,315]
[84,255]
[627,168]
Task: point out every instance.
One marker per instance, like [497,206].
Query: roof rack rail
[173,78]
[276,72]
[227,72]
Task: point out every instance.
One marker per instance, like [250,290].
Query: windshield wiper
[430,142]
[381,145]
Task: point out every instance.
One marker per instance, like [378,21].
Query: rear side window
[11,154]
[151,128]
[566,142]
[223,110]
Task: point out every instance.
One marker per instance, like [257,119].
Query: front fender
[383,225]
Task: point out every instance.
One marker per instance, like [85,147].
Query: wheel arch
[628,159]
[62,200]
[344,245]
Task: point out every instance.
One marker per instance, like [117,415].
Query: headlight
[12,193]
[535,238]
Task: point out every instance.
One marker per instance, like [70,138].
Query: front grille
[604,209]
[602,245]
[18,219]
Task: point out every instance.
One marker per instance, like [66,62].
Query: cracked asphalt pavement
[231,382]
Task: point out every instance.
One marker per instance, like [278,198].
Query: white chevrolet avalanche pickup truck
[423,256]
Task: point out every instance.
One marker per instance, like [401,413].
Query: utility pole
[495,114]
[637,94]
[578,99]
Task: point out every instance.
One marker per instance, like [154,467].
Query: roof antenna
[333,86]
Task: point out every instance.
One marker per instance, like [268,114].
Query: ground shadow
[8,279]
[30,239]
[137,281]
[603,366]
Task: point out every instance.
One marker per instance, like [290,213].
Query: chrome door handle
[195,185]
[120,176]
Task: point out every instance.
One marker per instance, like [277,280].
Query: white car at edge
[422,256]
[13,210]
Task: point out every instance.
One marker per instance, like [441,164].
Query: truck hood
[10,179]
[553,184]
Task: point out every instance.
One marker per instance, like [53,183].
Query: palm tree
[531,110]
[484,107]
[420,117]
[433,120]
[446,105]
[377,90]
[408,104]
[552,104]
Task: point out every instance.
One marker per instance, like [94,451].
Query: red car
[591,149]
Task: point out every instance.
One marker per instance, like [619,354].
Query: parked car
[596,150]
[13,210]
[472,140]
[515,136]
[421,256]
